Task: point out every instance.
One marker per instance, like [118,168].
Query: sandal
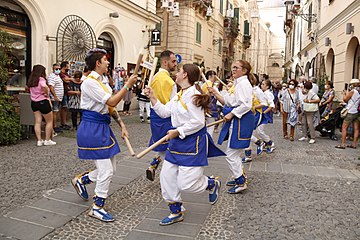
[340,146]
[351,146]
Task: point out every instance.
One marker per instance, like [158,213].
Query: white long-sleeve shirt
[185,121]
[241,99]
[260,95]
[269,98]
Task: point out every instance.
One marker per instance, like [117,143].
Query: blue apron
[266,117]
[159,128]
[213,108]
[191,151]
[95,139]
[241,131]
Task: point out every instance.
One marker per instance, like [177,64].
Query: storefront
[14,21]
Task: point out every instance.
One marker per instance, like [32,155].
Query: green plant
[9,119]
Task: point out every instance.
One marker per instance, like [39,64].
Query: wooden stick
[116,117]
[214,123]
[203,76]
[136,70]
[154,145]
[221,81]
[161,140]
[131,150]
[152,73]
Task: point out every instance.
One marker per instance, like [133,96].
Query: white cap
[354,81]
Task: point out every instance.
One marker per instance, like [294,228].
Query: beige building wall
[125,31]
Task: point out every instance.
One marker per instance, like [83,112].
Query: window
[221,7]
[246,28]
[236,13]
[220,46]
[309,22]
[198,32]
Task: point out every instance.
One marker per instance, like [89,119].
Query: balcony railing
[231,27]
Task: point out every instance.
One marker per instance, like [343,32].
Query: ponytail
[201,100]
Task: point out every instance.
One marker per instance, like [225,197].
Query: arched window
[275,65]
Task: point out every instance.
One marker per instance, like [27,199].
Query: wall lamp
[114,15]
[327,41]
[349,28]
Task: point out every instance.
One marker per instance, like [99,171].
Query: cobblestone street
[300,191]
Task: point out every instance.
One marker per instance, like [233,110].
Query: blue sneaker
[101,214]
[98,211]
[79,183]
[270,147]
[247,157]
[176,215]
[214,188]
[240,185]
[230,183]
[259,149]
[150,172]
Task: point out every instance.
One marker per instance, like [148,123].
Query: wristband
[127,88]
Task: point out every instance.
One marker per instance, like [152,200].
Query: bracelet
[127,88]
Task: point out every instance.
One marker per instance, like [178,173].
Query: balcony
[201,6]
[246,41]
[231,27]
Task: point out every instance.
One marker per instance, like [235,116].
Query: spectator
[352,98]
[57,93]
[64,66]
[325,105]
[315,87]
[85,73]
[74,98]
[40,104]
[311,101]
[144,101]
[289,108]
[127,99]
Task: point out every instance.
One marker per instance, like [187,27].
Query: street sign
[155,37]
[178,58]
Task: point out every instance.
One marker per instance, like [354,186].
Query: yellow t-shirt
[162,85]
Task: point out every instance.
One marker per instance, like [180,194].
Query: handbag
[310,107]
[344,112]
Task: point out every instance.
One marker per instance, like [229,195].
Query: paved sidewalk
[138,206]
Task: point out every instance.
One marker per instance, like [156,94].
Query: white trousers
[105,169]
[142,106]
[175,179]
[233,157]
[261,132]
[210,130]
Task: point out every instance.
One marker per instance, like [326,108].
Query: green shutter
[221,7]
[246,28]
[198,32]
[236,13]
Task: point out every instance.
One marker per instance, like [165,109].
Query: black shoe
[65,127]
[58,130]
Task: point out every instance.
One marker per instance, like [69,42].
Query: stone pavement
[300,191]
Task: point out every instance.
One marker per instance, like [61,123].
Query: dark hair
[256,79]
[63,64]
[55,64]
[93,56]
[165,55]
[209,73]
[330,83]
[78,74]
[86,69]
[247,66]
[37,72]
[294,81]
[308,85]
[267,83]
[193,74]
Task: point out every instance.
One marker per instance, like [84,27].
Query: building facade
[323,40]
[49,31]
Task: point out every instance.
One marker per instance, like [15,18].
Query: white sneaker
[49,143]
[40,143]
[302,139]
[312,141]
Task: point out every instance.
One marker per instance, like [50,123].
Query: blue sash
[191,151]
[213,108]
[241,131]
[159,128]
[266,117]
[95,139]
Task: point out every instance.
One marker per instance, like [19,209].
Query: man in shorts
[57,93]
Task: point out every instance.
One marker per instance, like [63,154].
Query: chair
[26,114]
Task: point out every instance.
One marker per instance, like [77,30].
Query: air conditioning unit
[176,9]
[229,13]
